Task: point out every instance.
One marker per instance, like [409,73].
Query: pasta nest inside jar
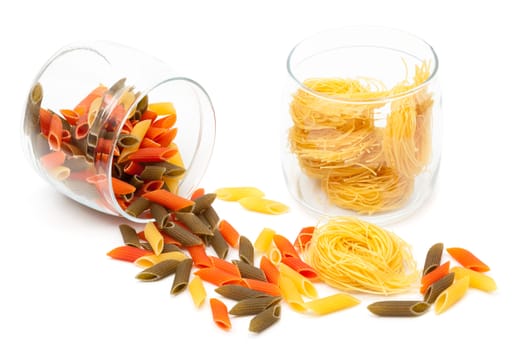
[362,166]
[353,255]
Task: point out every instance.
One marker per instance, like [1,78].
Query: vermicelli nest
[353,255]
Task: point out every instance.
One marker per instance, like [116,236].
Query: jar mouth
[378,31]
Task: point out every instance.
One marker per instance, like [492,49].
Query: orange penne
[199,256]
[270,270]
[82,108]
[230,234]
[199,192]
[149,143]
[300,266]
[121,187]
[226,266]
[217,276]
[285,246]
[167,137]
[54,136]
[467,259]
[45,121]
[152,154]
[302,239]
[148,115]
[261,286]
[70,115]
[165,122]
[154,132]
[434,275]
[168,199]
[128,253]
[220,314]
[53,159]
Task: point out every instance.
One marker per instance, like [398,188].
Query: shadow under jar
[361,125]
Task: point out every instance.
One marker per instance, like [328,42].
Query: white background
[60,290]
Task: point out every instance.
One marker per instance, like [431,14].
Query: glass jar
[361,123]
[80,126]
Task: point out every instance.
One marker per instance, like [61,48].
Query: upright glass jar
[361,123]
[90,109]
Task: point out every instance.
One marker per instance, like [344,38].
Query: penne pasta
[230,234]
[160,214]
[210,216]
[197,291]
[433,258]
[271,272]
[199,256]
[162,108]
[249,271]
[265,319]
[194,224]
[154,237]
[477,279]
[467,259]
[158,271]
[239,292]
[152,172]
[434,275]
[219,245]
[128,253]
[253,306]
[297,264]
[274,255]
[302,239]
[180,234]
[139,131]
[182,276]
[303,284]
[203,202]
[129,236]
[152,259]
[138,206]
[264,240]
[332,303]
[285,246]
[263,205]
[236,193]
[246,250]
[217,276]
[261,286]
[451,295]
[169,200]
[291,294]
[436,288]
[220,314]
[399,308]
[226,266]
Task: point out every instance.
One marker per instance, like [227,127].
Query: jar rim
[330,98]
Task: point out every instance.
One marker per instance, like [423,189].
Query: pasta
[230,234]
[253,306]
[162,108]
[138,206]
[431,277]
[451,295]
[303,284]
[128,253]
[199,255]
[219,245]
[332,303]
[271,272]
[193,223]
[300,266]
[285,246]
[265,319]
[362,166]
[436,288]
[158,271]
[262,286]
[477,279]
[236,193]
[238,292]
[353,255]
[399,308]
[149,260]
[203,202]
[169,200]
[160,214]
[303,238]
[291,294]
[246,250]
[129,235]
[182,276]
[263,205]
[182,235]
[217,276]
[197,291]
[433,258]
[249,271]
[154,237]
[264,240]
[467,259]
[220,314]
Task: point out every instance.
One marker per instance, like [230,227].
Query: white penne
[197,291]
[263,205]
[154,238]
[139,131]
[332,303]
[291,294]
[236,193]
[264,240]
[303,284]
[477,279]
[451,295]
[152,259]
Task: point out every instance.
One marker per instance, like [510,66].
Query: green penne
[129,235]
[170,247]
[127,140]
[193,222]
[158,271]
[250,271]
[219,245]
[253,306]
[138,206]
[246,250]
[399,308]
[160,214]
[152,172]
[210,217]
[180,234]
[203,202]
[433,258]
[136,181]
[182,276]
[265,319]
[237,292]
[436,288]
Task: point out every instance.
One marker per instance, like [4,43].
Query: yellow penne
[152,259]
[162,108]
[172,183]
[127,99]
[263,205]
[176,159]
[139,130]
[154,238]
[332,303]
[303,284]
[93,110]
[197,291]
[477,279]
[237,193]
[291,294]
[264,240]
[451,295]
[274,255]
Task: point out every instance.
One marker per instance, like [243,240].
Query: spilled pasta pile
[361,166]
